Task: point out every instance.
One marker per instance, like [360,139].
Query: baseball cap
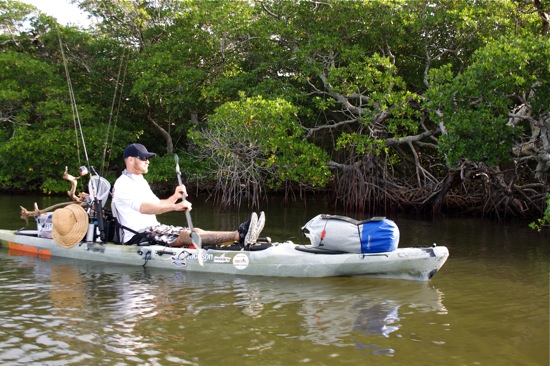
[137,151]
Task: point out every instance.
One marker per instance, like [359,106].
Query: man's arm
[168,204]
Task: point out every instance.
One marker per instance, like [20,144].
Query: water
[489,305]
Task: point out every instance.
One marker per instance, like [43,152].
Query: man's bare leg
[207,237]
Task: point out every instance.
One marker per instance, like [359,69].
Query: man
[137,207]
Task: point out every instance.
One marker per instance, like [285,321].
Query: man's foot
[255,231]
[246,228]
[261,224]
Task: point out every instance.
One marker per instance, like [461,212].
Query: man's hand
[182,206]
[181,191]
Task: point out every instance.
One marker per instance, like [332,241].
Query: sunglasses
[140,158]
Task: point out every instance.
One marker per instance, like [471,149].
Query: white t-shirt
[130,191]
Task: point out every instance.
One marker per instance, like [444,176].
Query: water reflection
[67,288]
[341,312]
[81,311]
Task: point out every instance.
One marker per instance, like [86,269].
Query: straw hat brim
[70,225]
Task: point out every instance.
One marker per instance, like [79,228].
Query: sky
[65,12]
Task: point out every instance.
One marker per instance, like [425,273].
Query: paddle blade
[177,160]
[178,171]
[197,242]
[195,238]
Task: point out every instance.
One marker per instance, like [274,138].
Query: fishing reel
[83,171]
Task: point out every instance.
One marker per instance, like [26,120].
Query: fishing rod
[95,205]
[73,103]
[121,71]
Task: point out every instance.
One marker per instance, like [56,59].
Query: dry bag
[341,233]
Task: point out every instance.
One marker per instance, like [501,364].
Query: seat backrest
[99,187]
[138,238]
[119,231]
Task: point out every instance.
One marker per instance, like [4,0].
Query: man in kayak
[137,206]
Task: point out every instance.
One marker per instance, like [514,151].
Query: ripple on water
[59,314]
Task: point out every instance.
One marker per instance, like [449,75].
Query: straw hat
[70,225]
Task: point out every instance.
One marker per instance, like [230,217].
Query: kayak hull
[285,259]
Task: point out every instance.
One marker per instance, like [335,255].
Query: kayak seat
[139,238]
[119,231]
[118,237]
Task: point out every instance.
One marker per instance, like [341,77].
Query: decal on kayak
[27,250]
[180,259]
[240,261]
[222,259]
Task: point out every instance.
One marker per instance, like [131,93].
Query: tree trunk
[162,132]
[437,198]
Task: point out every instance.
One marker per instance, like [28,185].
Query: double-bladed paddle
[195,238]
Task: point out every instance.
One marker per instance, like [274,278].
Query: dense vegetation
[424,106]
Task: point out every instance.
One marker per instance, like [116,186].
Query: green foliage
[475,105]
[477,136]
[13,15]
[162,170]
[34,160]
[539,224]
[24,83]
[268,87]
[361,144]
[263,139]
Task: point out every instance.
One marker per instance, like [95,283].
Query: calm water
[489,305]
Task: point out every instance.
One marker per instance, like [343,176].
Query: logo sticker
[222,259]
[179,260]
[240,261]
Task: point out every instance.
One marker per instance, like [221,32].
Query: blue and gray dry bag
[340,233]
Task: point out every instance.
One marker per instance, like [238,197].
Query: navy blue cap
[137,151]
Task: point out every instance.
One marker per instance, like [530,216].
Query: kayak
[285,259]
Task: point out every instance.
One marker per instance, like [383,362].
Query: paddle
[195,238]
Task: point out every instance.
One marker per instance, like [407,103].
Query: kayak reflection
[333,309]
